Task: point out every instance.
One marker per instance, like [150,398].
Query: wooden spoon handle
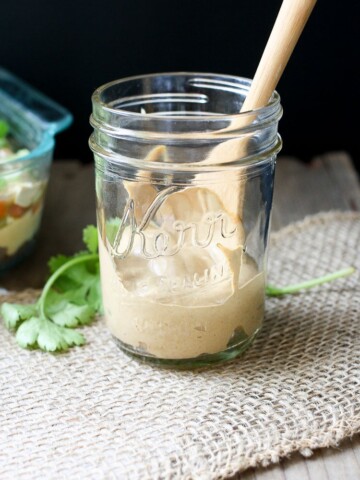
[287,29]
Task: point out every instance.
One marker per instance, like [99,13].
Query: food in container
[28,123]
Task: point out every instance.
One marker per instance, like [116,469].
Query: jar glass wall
[184,190]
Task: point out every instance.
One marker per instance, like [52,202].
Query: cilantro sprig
[4,130]
[72,296]
[272,291]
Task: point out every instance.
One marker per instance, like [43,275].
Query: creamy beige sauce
[19,230]
[178,331]
[175,279]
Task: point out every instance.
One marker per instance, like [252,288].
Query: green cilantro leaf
[65,313]
[81,284]
[70,298]
[90,238]
[13,314]
[56,262]
[4,128]
[73,315]
[45,334]
[73,277]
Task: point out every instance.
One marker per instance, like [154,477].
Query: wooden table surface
[328,183]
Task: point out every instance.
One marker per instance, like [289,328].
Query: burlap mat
[94,413]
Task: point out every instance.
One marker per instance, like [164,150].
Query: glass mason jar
[184,189]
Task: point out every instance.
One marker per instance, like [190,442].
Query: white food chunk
[27,193]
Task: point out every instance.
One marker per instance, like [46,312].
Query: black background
[68,48]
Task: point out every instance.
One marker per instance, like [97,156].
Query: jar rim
[160,113]
[273,106]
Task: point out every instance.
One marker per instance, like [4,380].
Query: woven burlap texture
[94,413]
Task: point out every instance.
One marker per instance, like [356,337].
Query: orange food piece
[16,211]
[3,209]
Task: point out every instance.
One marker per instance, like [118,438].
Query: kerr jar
[184,187]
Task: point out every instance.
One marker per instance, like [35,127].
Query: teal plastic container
[34,120]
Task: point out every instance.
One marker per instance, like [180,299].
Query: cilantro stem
[57,274]
[274,291]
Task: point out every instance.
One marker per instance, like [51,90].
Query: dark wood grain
[328,183]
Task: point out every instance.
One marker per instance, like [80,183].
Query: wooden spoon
[287,29]
[290,22]
[285,34]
